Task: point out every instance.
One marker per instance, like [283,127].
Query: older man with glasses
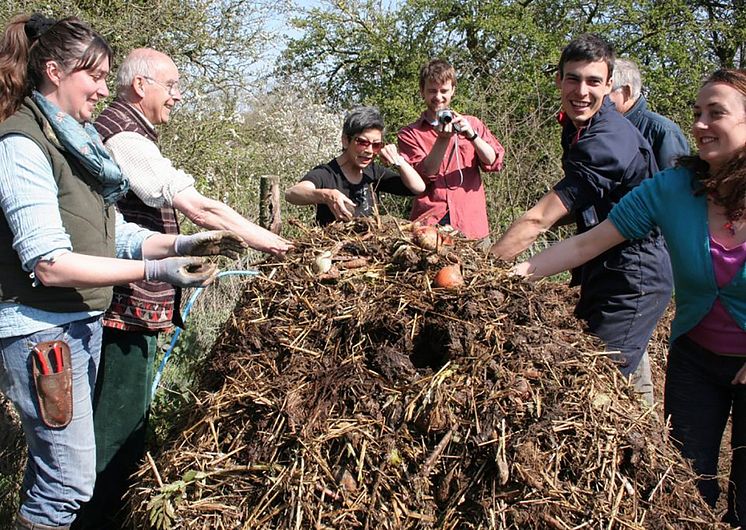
[664,136]
[345,186]
[147,91]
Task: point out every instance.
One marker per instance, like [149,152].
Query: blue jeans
[121,407]
[699,397]
[61,468]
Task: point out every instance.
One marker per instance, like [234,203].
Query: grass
[210,309]
[12,462]
[9,487]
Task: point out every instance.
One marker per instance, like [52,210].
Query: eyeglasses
[364,143]
[172,87]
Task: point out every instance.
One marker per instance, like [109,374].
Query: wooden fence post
[270,216]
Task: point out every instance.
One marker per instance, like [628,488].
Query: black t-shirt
[376,178]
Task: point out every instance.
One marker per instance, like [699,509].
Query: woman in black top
[341,188]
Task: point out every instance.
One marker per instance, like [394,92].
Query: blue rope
[185,314]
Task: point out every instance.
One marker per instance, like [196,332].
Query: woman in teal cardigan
[699,207]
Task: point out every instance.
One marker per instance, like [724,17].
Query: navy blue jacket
[664,136]
[624,291]
[602,162]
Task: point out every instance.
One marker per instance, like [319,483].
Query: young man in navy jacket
[625,290]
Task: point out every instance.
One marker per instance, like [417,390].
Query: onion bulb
[426,237]
[449,277]
[322,262]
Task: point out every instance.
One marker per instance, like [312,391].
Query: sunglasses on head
[365,143]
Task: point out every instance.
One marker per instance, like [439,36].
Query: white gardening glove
[210,243]
[181,272]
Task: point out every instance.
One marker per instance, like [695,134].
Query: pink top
[457,186]
[717,331]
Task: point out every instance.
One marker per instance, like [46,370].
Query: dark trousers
[699,397]
[623,293]
[121,403]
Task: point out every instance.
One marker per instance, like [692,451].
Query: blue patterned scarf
[83,142]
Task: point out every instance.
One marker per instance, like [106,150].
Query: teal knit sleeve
[635,215]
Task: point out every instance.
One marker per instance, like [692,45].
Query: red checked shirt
[457,187]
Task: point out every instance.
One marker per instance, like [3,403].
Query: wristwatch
[473,136]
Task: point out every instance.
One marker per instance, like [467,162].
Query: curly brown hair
[437,71]
[727,185]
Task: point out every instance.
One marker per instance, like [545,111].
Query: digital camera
[445,116]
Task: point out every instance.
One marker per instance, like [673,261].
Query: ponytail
[14,53]
[30,42]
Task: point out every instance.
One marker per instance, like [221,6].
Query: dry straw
[367,398]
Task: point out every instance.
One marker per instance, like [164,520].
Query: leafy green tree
[505,53]
[216,44]
[214,41]
[724,25]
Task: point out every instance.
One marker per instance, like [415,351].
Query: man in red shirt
[448,154]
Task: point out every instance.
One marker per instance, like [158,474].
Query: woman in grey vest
[61,248]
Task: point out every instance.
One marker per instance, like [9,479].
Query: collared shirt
[456,189]
[624,290]
[153,178]
[28,198]
[665,137]
[133,141]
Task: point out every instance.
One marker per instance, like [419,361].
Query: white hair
[627,73]
[142,61]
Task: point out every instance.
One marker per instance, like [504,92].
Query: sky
[280,25]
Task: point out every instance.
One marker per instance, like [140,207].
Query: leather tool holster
[54,390]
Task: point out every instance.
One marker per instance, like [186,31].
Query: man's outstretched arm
[209,213]
[529,226]
[157,183]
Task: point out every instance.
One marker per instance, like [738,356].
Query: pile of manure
[362,396]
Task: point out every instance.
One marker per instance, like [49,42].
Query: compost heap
[366,397]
